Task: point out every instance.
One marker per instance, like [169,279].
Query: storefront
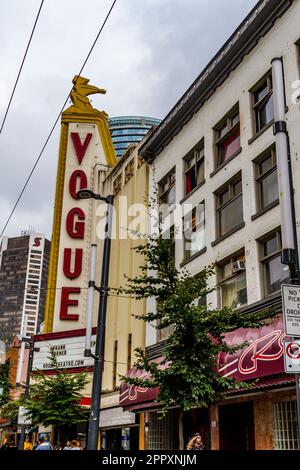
[262,416]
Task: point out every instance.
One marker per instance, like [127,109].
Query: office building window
[167,194]
[262,96]
[194,168]
[193,231]
[275,273]
[266,178]
[233,282]
[229,205]
[227,133]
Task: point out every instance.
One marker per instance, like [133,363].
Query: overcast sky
[150,51]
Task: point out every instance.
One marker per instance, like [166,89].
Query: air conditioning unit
[238,266]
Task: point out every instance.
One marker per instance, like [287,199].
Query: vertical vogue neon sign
[75,227]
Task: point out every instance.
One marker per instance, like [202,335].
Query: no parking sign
[292,356]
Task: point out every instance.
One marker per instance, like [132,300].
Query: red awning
[262,359]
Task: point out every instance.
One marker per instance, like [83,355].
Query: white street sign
[292,356]
[22,419]
[291,309]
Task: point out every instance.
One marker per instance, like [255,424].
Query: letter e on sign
[66,302]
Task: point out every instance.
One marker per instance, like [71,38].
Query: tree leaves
[191,378]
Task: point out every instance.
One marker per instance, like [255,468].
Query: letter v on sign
[80,148]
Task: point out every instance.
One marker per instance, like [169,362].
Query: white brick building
[226,117]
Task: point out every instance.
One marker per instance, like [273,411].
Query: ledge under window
[260,132]
[227,234]
[227,161]
[265,209]
[186,261]
[192,192]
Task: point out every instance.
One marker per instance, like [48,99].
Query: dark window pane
[232,215]
[222,130]
[261,92]
[269,189]
[237,188]
[235,119]
[275,274]
[190,180]
[200,171]
[265,165]
[265,113]
[271,246]
[224,197]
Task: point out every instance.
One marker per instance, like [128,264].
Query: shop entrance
[236,426]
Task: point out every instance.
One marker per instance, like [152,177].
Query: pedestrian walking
[195,443]
[74,445]
[27,444]
[5,444]
[68,446]
[44,444]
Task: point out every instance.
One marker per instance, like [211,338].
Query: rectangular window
[167,194]
[262,98]
[193,231]
[285,428]
[233,282]
[227,134]
[266,179]
[229,205]
[194,168]
[275,273]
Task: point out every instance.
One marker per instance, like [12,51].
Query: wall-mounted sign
[291,309]
[68,352]
[86,152]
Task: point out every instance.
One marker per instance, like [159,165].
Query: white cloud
[150,51]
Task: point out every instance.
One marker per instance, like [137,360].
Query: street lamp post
[94,418]
[290,252]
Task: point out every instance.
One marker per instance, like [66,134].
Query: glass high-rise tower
[127,130]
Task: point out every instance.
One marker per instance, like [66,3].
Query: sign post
[291,315]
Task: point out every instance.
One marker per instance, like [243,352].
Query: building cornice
[255,26]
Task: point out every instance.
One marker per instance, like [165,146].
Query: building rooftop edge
[254,26]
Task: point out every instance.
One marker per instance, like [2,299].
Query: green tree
[187,377]
[5,385]
[55,399]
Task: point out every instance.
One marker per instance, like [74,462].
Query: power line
[56,121]
[21,67]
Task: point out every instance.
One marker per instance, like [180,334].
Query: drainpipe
[289,253]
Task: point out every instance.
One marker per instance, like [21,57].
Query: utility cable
[54,125]
[21,67]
